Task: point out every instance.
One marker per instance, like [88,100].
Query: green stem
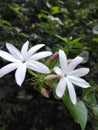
[32,73]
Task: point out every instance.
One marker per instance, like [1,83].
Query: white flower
[69,76]
[21,60]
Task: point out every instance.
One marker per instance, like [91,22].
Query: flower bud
[45,92]
[52,77]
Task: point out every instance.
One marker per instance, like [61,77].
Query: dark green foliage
[59,24]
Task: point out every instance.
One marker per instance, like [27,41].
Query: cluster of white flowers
[29,59]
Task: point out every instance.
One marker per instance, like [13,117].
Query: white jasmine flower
[23,60]
[69,76]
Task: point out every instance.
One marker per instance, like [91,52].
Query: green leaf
[78,111]
[42,15]
[76,40]
[62,38]
[95,39]
[95,110]
[55,9]
[5,22]
[89,96]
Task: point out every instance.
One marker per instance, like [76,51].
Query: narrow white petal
[14,51]
[38,67]
[61,86]
[76,61]
[79,72]
[58,71]
[78,81]
[24,49]
[5,55]
[8,68]
[34,49]
[71,91]
[20,74]
[40,55]
[63,61]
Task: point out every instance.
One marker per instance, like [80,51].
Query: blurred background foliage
[66,25]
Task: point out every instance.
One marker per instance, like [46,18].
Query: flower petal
[8,68]
[34,49]
[24,49]
[76,61]
[61,86]
[20,74]
[78,81]
[14,51]
[58,71]
[79,72]
[5,55]
[40,55]
[63,61]
[71,91]
[38,67]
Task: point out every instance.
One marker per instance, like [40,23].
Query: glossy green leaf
[78,111]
